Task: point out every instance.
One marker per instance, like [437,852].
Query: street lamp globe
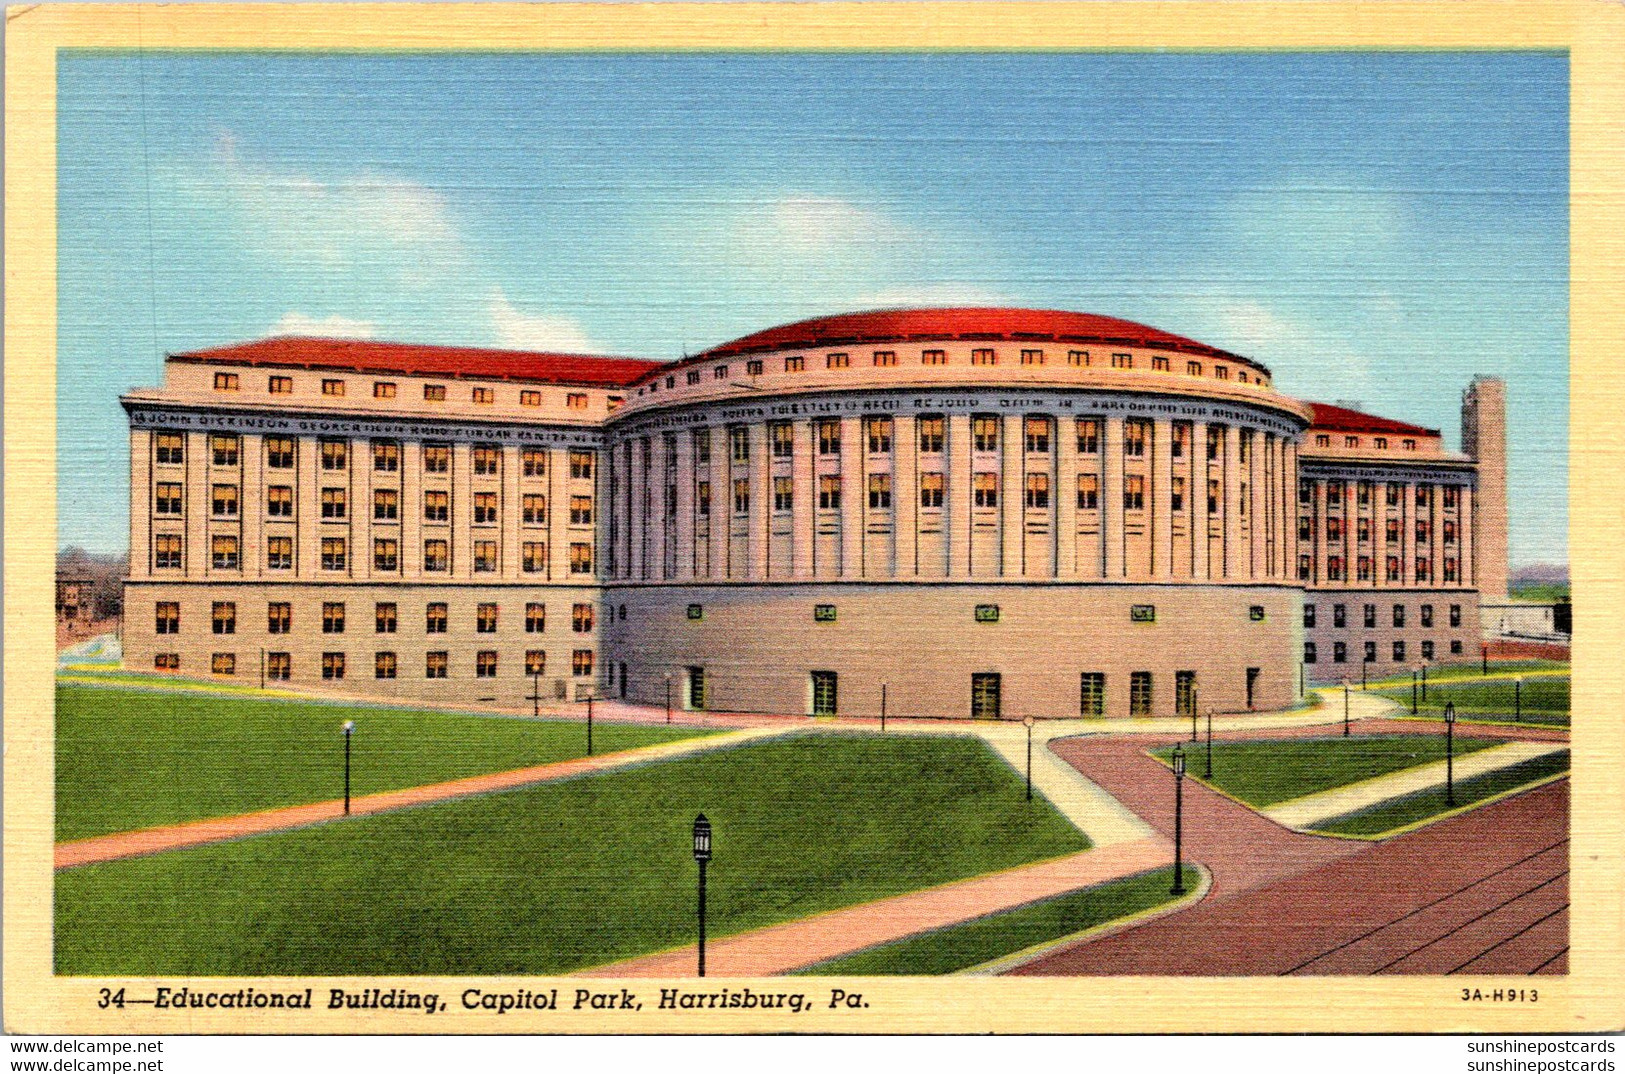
[702,838]
[349,727]
[1179,761]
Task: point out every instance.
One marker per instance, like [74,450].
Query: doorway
[984,695]
[1252,682]
[824,699]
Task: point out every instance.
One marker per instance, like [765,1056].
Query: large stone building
[982,511]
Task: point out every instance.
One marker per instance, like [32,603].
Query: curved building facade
[948,512]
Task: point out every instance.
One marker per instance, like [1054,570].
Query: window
[1393,492]
[386,456]
[824,693]
[1370,652]
[224,552]
[1139,693]
[1363,493]
[829,492]
[279,553]
[1309,654]
[436,458]
[1306,490]
[333,501]
[530,397]
[931,431]
[435,664]
[332,618]
[167,617]
[1370,618]
[581,618]
[1221,372]
[278,666]
[930,489]
[829,437]
[837,361]
[485,664]
[1037,432]
[1334,529]
[1215,440]
[753,367]
[171,448]
[333,554]
[1351,441]
[533,559]
[332,665]
[1134,492]
[280,385]
[1213,497]
[1308,615]
[581,465]
[1159,365]
[1092,694]
[1088,436]
[1306,528]
[581,663]
[1427,650]
[223,664]
[1408,445]
[702,499]
[984,433]
[437,505]
[1452,496]
[885,358]
[702,445]
[1181,439]
[434,393]
[481,395]
[1391,532]
[693,376]
[1422,530]
[385,504]
[1424,569]
[1077,357]
[166,498]
[933,357]
[581,559]
[434,555]
[332,386]
[1122,361]
[984,356]
[279,452]
[434,618]
[742,496]
[1088,492]
[535,662]
[1365,568]
[383,665]
[1393,569]
[1449,531]
[383,389]
[1038,491]
[1303,560]
[879,430]
[485,508]
[1427,615]
[1334,568]
[783,496]
[576,400]
[166,661]
[1455,615]
[781,436]
[225,382]
[1399,615]
[1363,530]
[385,554]
[1193,369]
[1399,652]
[535,618]
[487,460]
[581,510]
[1322,440]
[1176,495]
[485,557]
[384,617]
[224,447]
[879,492]
[985,489]
[1334,493]
[794,364]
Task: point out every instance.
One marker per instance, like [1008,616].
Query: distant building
[75,603]
[992,512]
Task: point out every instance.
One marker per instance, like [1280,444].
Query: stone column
[307,508]
[558,513]
[1465,536]
[905,492]
[1066,496]
[1407,535]
[195,474]
[685,505]
[761,499]
[721,501]
[251,460]
[958,480]
[1257,515]
[1436,546]
[141,501]
[1235,560]
[1013,508]
[509,529]
[1317,533]
[854,497]
[1112,534]
[637,482]
[804,498]
[1162,489]
[1197,490]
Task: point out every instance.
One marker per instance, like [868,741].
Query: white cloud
[813,222]
[294,323]
[534,331]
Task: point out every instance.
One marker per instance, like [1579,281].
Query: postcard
[826,519]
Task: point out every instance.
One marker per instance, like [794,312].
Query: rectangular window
[1159,365]
[1370,617]
[1037,435]
[225,382]
[1399,652]
[386,504]
[434,618]
[581,559]
[693,376]
[278,617]
[1427,615]
[1452,496]
[487,461]
[1134,492]
[434,393]
[1308,615]
[829,492]
[741,496]
[1122,361]
[931,434]
[1181,440]
[1455,615]
[384,617]
[435,664]
[485,508]
[581,465]
[984,356]
[1193,369]
[279,452]
[170,448]
[1365,568]
[166,499]
[1088,436]
[436,458]
[581,616]
[485,557]
[224,617]
[885,358]
[535,662]
[576,400]
[1340,652]
[530,397]
[1088,492]
[1370,652]
[1215,440]
[535,618]
[1306,528]
[837,361]
[753,367]
[481,395]
[1221,372]
[702,499]
[332,617]
[437,505]
[1427,650]
[279,553]
[984,433]
[278,666]
[933,357]
[783,494]
[782,437]
[1340,615]
[829,437]
[581,663]
[224,552]
[879,492]
[1309,653]
[223,664]
[383,665]
[1303,560]
[332,386]
[985,489]
[1037,491]
[332,665]
[702,445]
[1032,357]
[1092,694]
[1176,495]
[334,556]
[1392,531]
[167,617]
[879,430]
[383,389]
[1424,569]
[534,557]
[386,456]
[1139,693]
[930,489]
[795,364]
[435,557]
[386,555]
[1077,358]
[224,448]
[1399,615]
[1334,568]
[580,510]
[333,503]
[485,664]
[1392,493]
[280,385]
[335,454]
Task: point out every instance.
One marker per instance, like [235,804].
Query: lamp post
[589,724]
[349,729]
[882,708]
[536,694]
[262,667]
[1484,658]
[1179,820]
[1517,698]
[668,697]
[1208,772]
[1424,667]
[1345,706]
[1450,753]
[1192,703]
[1028,721]
[1364,663]
[1413,691]
[702,855]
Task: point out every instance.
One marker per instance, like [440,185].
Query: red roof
[969,323]
[409,359]
[1342,420]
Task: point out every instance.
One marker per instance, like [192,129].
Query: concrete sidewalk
[1314,808]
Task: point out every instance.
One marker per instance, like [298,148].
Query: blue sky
[1374,227]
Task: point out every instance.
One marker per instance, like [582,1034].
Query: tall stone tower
[1484,438]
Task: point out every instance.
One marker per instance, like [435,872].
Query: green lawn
[1543,700]
[985,939]
[1268,771]
[1396,677]
[561,876]
[130,759]
[1399,812]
